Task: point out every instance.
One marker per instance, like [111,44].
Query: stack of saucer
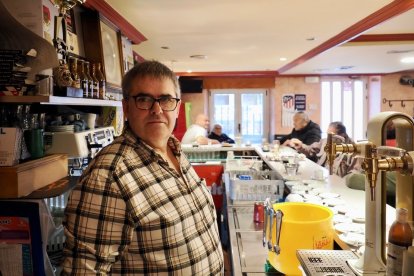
[65,128]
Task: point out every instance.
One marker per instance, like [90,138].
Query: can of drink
[258,214]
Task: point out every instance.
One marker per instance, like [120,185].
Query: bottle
[84,81]
[400,237]
[73,68]
[91,82]
[102,82]
[95,93]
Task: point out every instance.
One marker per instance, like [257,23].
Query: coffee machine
[377,160]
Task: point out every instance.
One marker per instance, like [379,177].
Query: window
[240,112]
[345,100]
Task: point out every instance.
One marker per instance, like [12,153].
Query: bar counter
[248,256]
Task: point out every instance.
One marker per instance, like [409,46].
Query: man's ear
[125,109]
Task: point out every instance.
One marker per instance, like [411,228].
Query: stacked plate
[65,128]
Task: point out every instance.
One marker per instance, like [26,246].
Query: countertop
[248,254]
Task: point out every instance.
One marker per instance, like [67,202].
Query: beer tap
[364,149]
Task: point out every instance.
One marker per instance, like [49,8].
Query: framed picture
[111,55]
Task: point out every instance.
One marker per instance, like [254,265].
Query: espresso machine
[377,160]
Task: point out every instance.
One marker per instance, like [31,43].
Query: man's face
[331,129]
[205,122]
[298,122]
[153,126]
[217,130]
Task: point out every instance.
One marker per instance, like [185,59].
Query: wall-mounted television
[190,85]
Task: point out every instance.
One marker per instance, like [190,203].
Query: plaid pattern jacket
[132,214]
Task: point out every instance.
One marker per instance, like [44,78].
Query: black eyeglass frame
[154,100]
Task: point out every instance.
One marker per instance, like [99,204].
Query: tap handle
[390,151]
[330,152]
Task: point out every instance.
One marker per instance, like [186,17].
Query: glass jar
[73,68]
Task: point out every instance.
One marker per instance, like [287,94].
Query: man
[197,132]
[304,130]
[217,134]
[140,208]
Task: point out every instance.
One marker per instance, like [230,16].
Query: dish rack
[253,185]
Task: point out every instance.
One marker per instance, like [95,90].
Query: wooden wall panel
[231,82]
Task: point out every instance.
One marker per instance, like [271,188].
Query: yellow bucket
[304,226]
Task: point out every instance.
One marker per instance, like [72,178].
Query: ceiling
[244,37]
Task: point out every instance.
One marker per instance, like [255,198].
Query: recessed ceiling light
[407,60]
[198,56]
[189,71]
[399,51]
[311,39]
[346,67]
[282,59]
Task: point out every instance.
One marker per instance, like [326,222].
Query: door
[241,112]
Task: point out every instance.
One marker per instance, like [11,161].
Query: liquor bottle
[90,80]
[95,93]
[73,68]
[84,81]
[400,237]
[102,82]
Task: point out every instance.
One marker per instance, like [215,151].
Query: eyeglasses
[147,102]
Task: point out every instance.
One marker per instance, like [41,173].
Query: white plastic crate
[263,184]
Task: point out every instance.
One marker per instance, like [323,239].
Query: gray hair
[303,115]
[150,68]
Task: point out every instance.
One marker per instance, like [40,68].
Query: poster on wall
[300,102]
[288,109]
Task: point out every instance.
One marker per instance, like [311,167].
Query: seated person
[197,132]
[218,135]
[355,179]
[342,164]
[304,130]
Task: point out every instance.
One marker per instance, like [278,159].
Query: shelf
[58,100]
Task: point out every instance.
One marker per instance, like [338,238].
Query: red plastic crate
[212,174]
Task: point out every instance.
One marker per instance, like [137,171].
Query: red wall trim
[395,8]
[383,37]
[112,15]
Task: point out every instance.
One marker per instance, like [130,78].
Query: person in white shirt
[197,132]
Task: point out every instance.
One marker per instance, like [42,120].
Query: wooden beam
[383,38]
[391,10]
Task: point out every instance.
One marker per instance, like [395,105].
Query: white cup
[318,175]
[90,119]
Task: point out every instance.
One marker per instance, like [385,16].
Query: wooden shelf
[58,100]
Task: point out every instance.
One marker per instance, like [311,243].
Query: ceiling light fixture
[189,71]
[198,56]
[311,39]
[165,47]
[282,59]
[407,60]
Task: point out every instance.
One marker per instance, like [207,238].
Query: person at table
[197,132]
[315,151]
[217,134]
[140,208]
[304,130]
